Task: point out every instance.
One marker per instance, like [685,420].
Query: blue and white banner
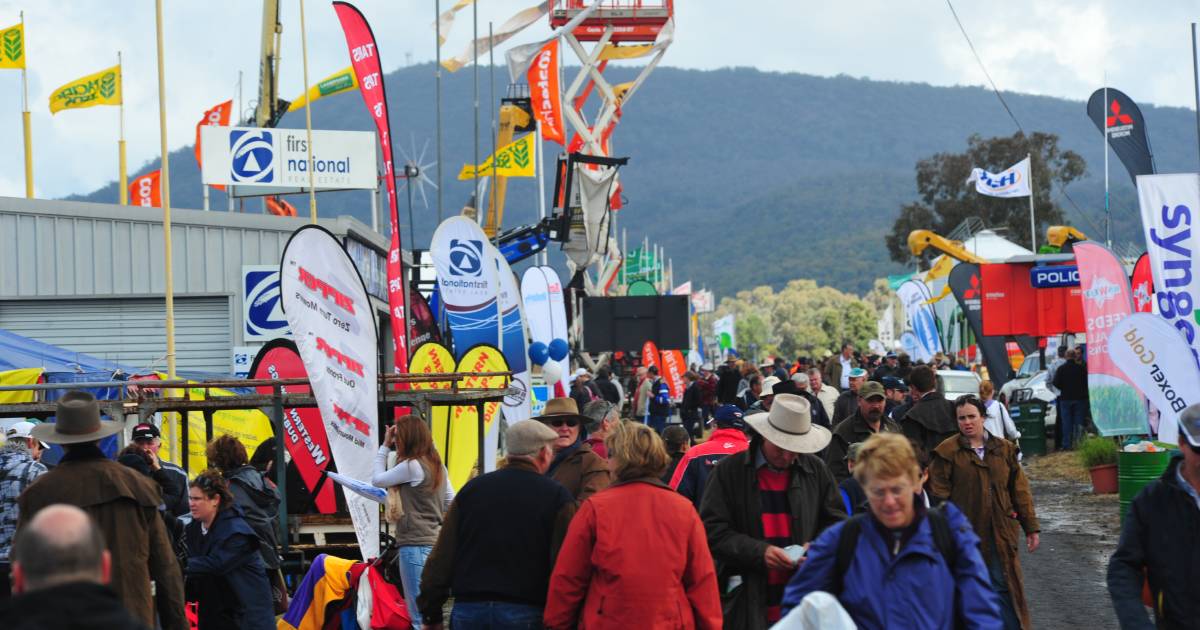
[467,283]
[279,158]
[1169,205]
[921,319]
[1013,182]
[262,315]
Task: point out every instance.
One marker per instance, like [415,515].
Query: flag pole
[1032,221]
[124,196]
[312,191]
[25,118]
[166,205]
[540,147]
[437,89]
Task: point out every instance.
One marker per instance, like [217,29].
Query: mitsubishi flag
[1011,182]
[1118,117]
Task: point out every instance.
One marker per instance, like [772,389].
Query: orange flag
[219,116]
[145,190]
[543,91]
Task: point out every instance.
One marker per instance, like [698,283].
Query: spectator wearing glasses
[580,470]
[1158,542]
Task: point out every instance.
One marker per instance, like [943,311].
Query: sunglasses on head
[558,422]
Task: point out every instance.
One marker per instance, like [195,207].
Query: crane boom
[1059,235]
[270,107]
[919,240]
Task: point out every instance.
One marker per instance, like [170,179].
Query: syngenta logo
[1172,248]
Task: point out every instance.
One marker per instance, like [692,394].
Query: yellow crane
[516,114]
[1059,235]
[920,240]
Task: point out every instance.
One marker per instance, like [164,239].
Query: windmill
[414,176]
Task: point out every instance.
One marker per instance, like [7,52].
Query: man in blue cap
[891,363]
[692,472]
[847,402]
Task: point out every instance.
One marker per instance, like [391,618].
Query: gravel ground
[1065,577]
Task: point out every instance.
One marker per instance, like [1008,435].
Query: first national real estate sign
[278,158]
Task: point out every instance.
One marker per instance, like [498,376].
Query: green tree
[947,198]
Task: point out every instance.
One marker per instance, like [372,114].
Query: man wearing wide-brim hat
[773,495]
[123,504]
[576,466]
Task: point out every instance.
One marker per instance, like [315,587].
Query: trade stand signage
[269,157]
[1054,276]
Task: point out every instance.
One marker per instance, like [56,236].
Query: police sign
[279,158]
[1054,276]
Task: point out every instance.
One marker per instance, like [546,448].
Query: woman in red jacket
[635,555]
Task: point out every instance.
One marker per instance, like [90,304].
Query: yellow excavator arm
[919,240]
[512,118]
[1059,235]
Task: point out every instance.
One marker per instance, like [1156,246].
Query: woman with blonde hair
[660,577]
[424,489]
[899,564]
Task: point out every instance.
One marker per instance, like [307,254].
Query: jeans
[495,616]
[658,423]
[1071,417]
[1000,585]
[412,561]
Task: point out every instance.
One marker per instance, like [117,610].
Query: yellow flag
[613,51]
[101,88]
[341,81]
[512,160]
[12,47]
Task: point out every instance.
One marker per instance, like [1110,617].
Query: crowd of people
[847,494]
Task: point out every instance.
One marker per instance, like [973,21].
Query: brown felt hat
[76,420]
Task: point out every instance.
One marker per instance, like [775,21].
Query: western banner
[514,159]
[364,56]
[514,343]
[464,419]
[1169,204]
[422,326]
[673,368]
[303,431]
[467,285]
[1121,122]
[915,297]
[333,324]
[1142,283]
[12,47]
[218,116]
[434,358]
[100,88]
[1117,407]
[966,284]
[343,80]
[146,191]
[543,91]
[1149,351]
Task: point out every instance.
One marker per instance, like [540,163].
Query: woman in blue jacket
[900,564]
[225,574]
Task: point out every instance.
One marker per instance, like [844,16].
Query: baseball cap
[145,431]
[890,355]
[22,429]
[527,437]
[729,416]
[857,373]
[871,389]
[891,382]
[800,377]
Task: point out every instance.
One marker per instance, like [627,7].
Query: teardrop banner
[673,369]
[559,345]
[466,282]
[434,358]
[303,431]
[535,295]
[514,344]
[650,357]
[464,419]
[1157,358]
[333,324]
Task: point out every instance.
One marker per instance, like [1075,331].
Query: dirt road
[1065,578]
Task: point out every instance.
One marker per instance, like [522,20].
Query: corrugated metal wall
[129,331]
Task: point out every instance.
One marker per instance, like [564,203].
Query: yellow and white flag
[445,21]
[510,27]
[12,47]
[343,80]
[101,88]
[512,160]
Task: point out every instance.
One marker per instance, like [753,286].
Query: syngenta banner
[253,156]
[1148,350]
[333,325]
[1169,206]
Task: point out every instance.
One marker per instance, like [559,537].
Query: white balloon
[552,372]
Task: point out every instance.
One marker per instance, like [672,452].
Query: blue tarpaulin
[18,352]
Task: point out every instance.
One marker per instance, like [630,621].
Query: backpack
[847,543]
[660,398]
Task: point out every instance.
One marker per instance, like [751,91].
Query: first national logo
[253,153]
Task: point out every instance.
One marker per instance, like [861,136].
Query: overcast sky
[1052,47]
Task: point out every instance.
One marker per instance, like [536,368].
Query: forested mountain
[748,177]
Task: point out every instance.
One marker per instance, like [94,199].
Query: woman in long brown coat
[980,474]
[579,469]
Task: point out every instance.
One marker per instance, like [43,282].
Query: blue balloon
[559,349]
[538,353]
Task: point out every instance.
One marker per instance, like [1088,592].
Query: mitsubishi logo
[1124,119]
[973,291]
